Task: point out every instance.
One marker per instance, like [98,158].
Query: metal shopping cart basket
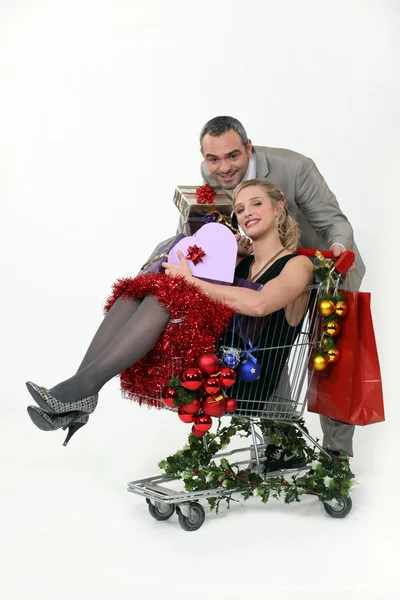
[278,396]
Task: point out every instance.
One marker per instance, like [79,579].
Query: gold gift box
[185,199]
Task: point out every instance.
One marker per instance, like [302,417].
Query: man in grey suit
[230,158]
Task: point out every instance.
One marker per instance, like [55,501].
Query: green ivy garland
[199,471]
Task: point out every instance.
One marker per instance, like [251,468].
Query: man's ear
[201,150]
[249,149]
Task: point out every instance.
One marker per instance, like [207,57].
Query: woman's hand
[181,269]
[245,246]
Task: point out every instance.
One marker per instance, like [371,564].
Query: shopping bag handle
[342,263]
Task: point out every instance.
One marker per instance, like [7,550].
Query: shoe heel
[72,429]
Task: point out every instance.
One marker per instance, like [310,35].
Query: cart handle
[343,262]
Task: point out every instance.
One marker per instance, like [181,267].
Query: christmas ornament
[191,379]
[193,407]
[231,405]
[249,370]
[326,307]
[212,385]
[184,416]
[227,377]
[168,396]
[214,406]
[326,342]
[333,354]
[331,327]
[230,357]
[196,432]
[319,362]
[208,363]
[203,422]
[341,308]
[323,273]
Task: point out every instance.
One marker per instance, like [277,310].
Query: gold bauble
[341,308]
[333,354]
[319,362]
[331,327]
[326,307]
[325,342]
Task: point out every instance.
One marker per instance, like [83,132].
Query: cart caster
[339,507]
[195,516]
[161,511]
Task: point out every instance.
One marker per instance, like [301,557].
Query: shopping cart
[278,396]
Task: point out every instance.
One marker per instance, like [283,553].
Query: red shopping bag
[350,390]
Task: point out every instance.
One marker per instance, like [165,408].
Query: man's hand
[181,269]
[337,250]
[245,246]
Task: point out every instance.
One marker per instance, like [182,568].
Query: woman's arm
[276,294]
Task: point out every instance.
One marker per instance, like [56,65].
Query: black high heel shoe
[50,404]
[72,421]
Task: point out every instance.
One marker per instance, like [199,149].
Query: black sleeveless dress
[273,336]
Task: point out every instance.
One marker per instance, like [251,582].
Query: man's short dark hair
[218,125]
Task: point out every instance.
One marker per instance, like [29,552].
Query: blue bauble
[230,360]
[248,370]
[230,357]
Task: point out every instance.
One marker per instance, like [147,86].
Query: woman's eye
[240,210]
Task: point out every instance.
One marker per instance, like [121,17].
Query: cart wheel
[162,512]
[339,507]
[196,519]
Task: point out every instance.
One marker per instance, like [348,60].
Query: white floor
[70,528]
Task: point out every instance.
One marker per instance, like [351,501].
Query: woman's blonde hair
[288,228]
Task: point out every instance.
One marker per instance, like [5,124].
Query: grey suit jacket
[309,198]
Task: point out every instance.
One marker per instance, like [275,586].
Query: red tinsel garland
[204,320]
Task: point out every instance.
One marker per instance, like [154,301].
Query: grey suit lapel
[262,168]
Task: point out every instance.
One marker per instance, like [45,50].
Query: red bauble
[203,422]
[231,405]
[214,406]
[169,395]
[212,385]
[208,363]
[191,379]
[197,432]
[184,416]
[193,407]
[227,377]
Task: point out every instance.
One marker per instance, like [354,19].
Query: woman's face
[255,211]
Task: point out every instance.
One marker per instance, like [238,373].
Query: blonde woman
[136,329]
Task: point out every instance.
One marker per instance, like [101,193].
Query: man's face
[226,157]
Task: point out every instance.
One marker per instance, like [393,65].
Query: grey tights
[128,332]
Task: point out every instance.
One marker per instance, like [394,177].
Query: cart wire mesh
[283,343]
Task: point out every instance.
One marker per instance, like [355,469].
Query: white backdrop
[101,104]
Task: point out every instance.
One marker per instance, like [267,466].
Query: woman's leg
[116,318]
[130,344]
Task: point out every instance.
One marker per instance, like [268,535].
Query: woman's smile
[251,222]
